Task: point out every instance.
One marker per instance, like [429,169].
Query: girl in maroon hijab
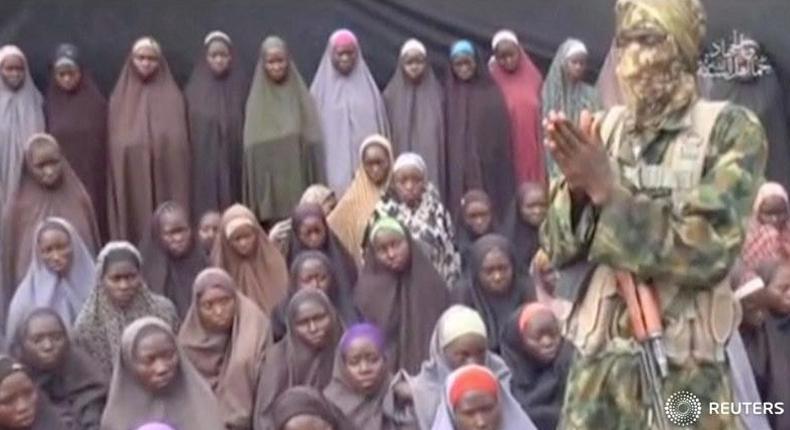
[149,146]
[76,114]
[520,82]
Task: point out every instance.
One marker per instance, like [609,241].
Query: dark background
[105,29]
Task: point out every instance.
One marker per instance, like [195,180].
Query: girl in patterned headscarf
[564,89]
[119,298]
[414,201]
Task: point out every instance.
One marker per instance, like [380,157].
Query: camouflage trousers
[605,392]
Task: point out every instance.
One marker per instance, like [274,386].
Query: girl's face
[175,233]
[45,342]
[376,163]
[12,70]
[468,349]
[55,250]
[312,233]
[533,206]
[46,164]
[67,77]
[477,216]
[244,240]
[344,58]
[414,65]
[313,324]
[464,67]
[478,410]
[146,62]
[507,55]
[576,67]
[155,360]
[18,398]
[122,281]
[207,231]
[364,364]
[541,339]
[218,57]
[276,64]
[391,250]
[216,309]
[496,272]
[409,183]
[313,273]
[773,211]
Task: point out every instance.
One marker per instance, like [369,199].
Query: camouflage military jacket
[690,244]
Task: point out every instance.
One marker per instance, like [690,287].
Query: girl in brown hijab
[304,356]
[311,232]
[350,217]
[22,405]
[76,114]
[154,381]
[61,370]
[361,379]
[149,146]
[171,256]
[225,336]
[414,101]
[215,97]
[282,135]
[305,407]
[243,249]
[49,187]
[401,292]
[313,269]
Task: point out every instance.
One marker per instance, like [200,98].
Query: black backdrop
[105,29]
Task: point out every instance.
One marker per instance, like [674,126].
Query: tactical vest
[697,321]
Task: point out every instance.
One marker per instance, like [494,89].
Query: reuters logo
[683,408]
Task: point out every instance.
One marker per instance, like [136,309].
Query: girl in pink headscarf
[768,237]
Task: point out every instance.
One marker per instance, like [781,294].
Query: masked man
[659,190]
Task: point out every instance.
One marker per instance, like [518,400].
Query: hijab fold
[283,143]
